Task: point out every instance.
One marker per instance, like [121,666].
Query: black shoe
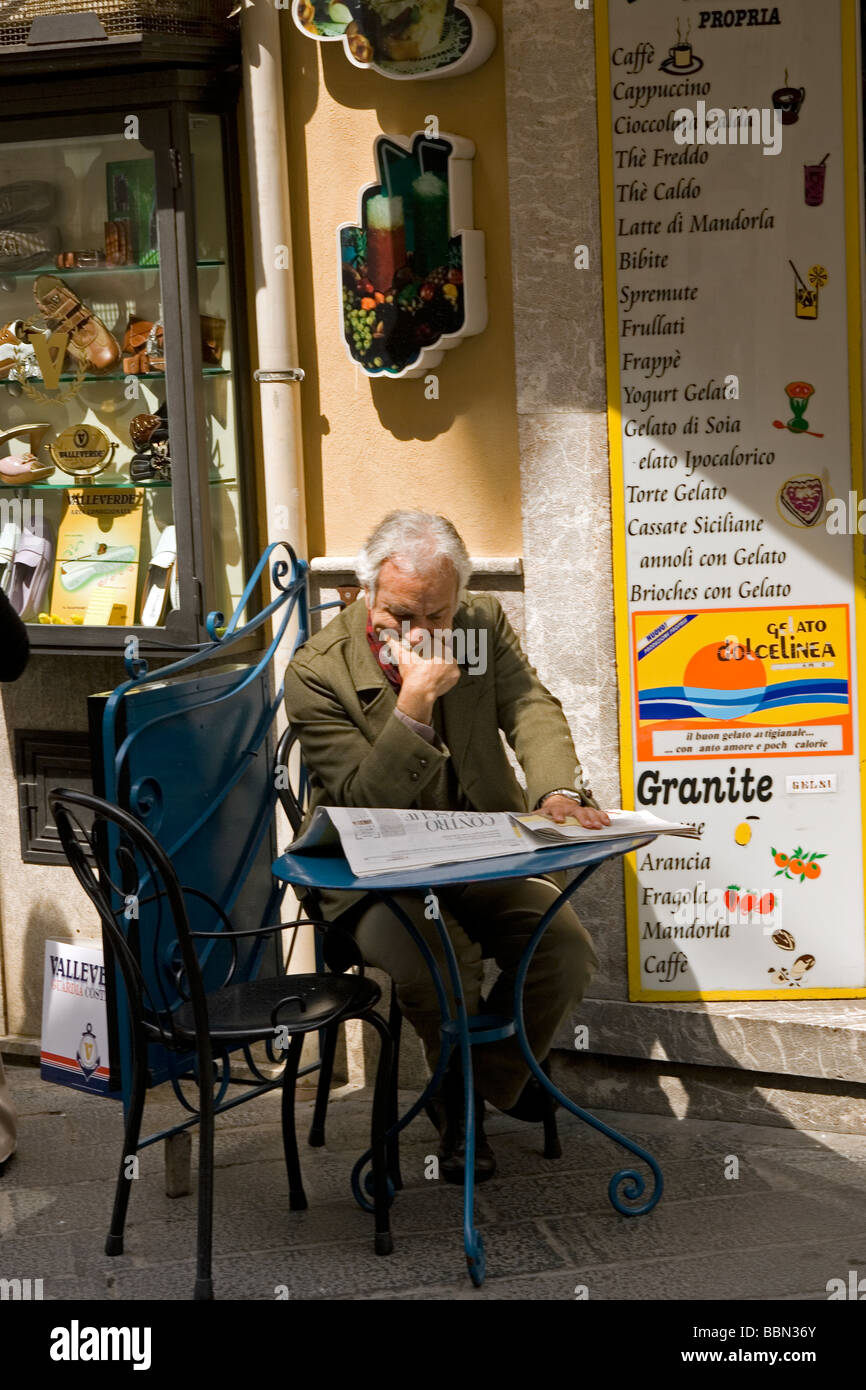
[447,1111]
[532,1105]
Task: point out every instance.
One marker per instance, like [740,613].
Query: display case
[125,461]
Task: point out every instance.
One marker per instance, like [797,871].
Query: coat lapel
[375,693]
[458,714]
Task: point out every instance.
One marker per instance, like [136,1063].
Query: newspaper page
[622,824]
[381,840]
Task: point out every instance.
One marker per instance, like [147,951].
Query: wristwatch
[567,791]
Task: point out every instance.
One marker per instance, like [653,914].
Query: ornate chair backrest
[132,884]
[290,780]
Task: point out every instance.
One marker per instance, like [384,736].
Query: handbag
[143,347]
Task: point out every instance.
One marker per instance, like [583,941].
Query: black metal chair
[292,791]
[143,910]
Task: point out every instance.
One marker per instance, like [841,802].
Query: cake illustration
[403,32]
[803,498]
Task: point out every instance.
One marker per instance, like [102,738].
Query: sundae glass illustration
[798,393]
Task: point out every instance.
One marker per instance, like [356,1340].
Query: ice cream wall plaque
[406,41]
[412,268]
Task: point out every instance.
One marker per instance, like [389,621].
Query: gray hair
[417,539]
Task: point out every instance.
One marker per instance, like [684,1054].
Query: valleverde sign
[733,324]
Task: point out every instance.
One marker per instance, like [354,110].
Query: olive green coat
[358,754]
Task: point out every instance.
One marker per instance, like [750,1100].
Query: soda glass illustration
[798,393]
[386,240]
[814,177]
[432,222]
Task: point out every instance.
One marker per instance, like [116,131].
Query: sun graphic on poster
[723,686]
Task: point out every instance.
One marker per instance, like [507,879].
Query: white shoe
[9,538]
[159,579]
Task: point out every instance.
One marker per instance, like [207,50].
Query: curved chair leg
[204,1251]
[395,1027]
[381,1196]
[328,1042]
[552,1146]
[297,1196]
[132,1130]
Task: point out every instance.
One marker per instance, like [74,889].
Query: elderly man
[388,716]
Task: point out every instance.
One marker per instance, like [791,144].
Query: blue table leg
[473,1243]
[628,1180]
[445,1053]
[455,1031]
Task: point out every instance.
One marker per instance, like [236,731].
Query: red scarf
[391,671]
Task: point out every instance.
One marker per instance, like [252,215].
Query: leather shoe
[447,1112]
[532,1103]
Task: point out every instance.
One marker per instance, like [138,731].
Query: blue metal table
[329,871]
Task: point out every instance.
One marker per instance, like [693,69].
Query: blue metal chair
[144,913]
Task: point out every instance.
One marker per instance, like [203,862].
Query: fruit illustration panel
[405,41]
[743,682]
[412,268]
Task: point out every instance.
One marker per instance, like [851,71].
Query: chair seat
[243,1011]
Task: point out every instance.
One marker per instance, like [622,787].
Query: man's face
[425,601]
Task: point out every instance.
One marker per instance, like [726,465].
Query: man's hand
[424,678]
[557,807]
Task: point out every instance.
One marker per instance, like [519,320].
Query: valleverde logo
[50,351]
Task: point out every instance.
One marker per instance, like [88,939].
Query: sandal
[89,339]
[19,470]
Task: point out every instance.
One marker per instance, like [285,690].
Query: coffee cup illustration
[789,101]
[681,56]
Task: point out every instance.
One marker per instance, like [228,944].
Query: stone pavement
[793,1218]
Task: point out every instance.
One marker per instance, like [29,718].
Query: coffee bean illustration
[785,940]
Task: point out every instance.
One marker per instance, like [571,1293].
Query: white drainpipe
[276,327]
[278,373]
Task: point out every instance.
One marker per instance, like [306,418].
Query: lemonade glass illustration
[806,302]
[798,393]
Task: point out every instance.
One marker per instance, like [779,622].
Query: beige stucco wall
[371,446]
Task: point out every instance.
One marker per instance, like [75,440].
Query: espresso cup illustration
[681,55]
[789,101]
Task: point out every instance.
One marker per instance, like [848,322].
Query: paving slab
[748,1212]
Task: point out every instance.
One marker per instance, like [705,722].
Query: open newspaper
[378,840]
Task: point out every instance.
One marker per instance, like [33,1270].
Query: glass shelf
[90,270]
[113,485]
[118,376]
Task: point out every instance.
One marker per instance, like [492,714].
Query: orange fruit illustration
[780,860]
[813,870]
[796,866]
